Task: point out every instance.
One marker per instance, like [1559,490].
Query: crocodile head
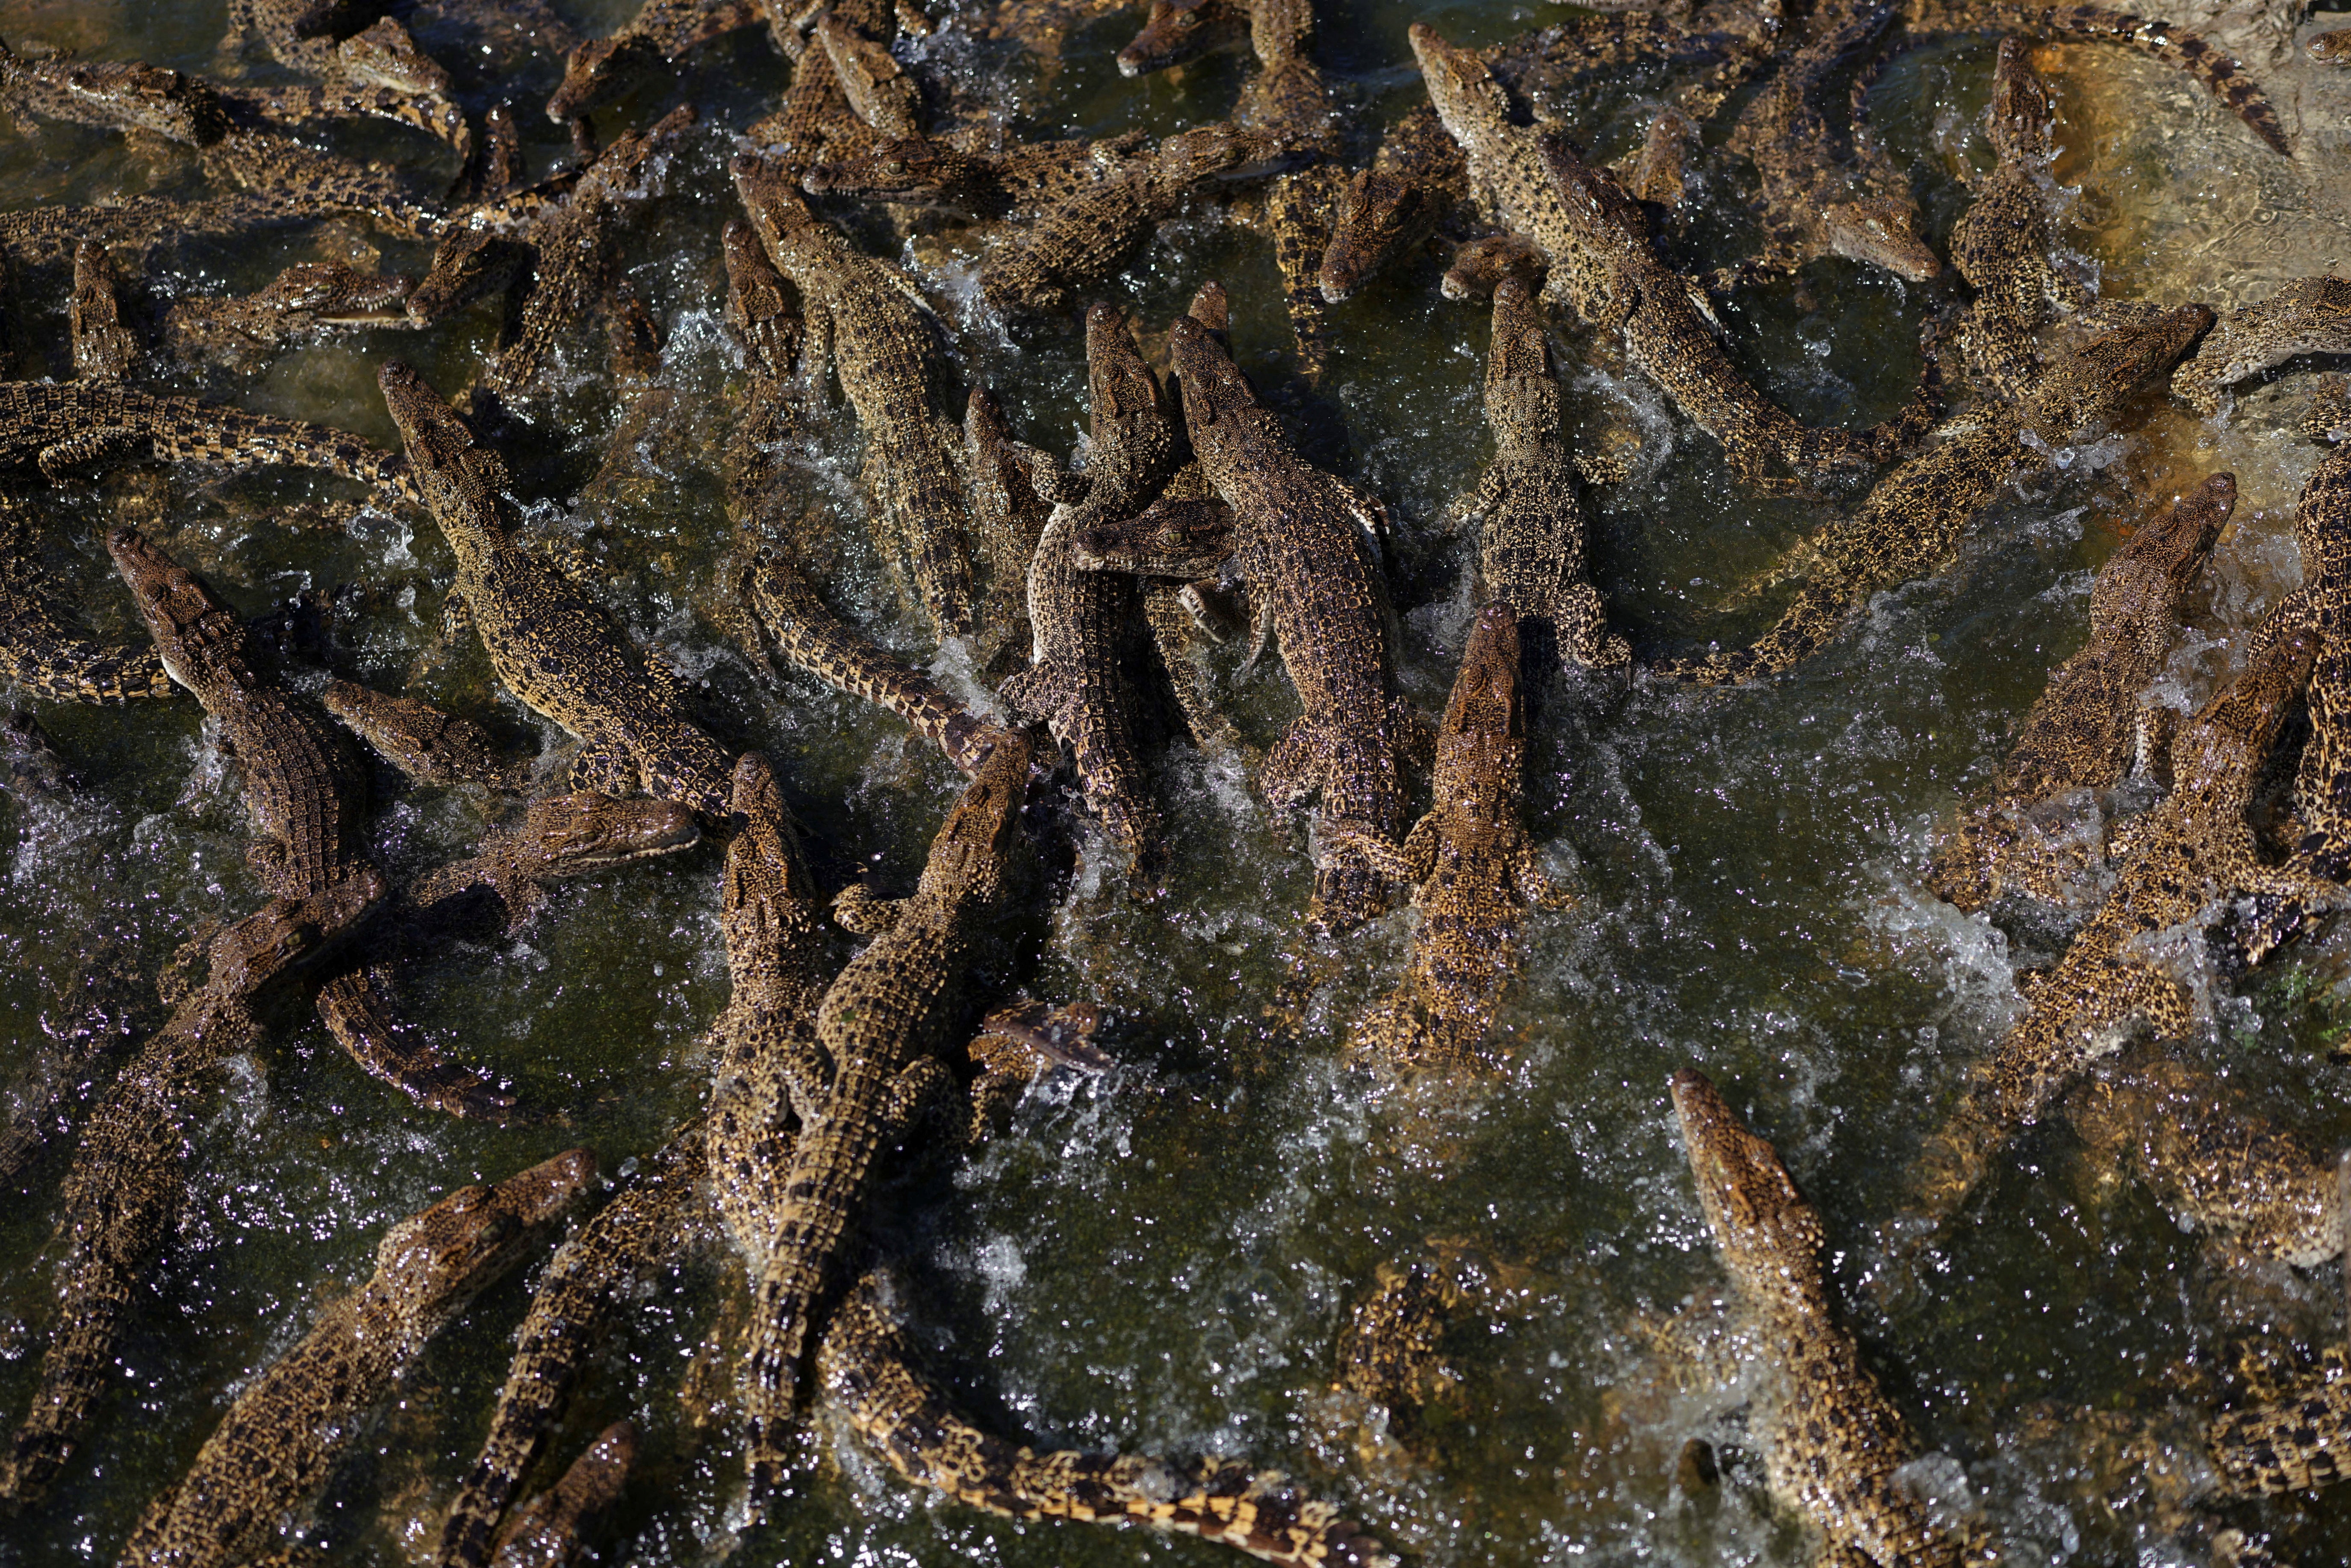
[1215,390]
[335,293]
[632,161]
[1520,392]
[1177,31]
[468,263]
[603,69]
[968,856]
[2087,384]
[200,640]
[572,835]
[2021,117]
[2218,755]
[916,171]
[1464,91]
[1170,539]
[1120,391]
[2176,540]
[1224,151]
[760,307]
[149,98]
[382,55]
[432,1263]
[1760,1223]
[1883,233]
[1482,739]
[1377,211]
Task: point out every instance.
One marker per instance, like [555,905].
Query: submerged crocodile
[424,743]
[1824,191]
[1085,623]
[56,430]
[551,644]
[873,1374]
[2090,721]
[45,653]
[1531,545]
[1472,869]
[2306,316]
[1832,1441]
[305,304]
[2001,244]
[2180,861]
[879,1025]
[604,69]
[104,349]
[1177,32]
[280,1441]
[1083,240]
[1911,521]
[1418,178]
[886,356]
[546,1531]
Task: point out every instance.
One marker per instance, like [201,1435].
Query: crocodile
[1012,487]
[375,68]
[877,86]
[2249,1183]
[307,303]
[48,233]
[873,1375]
[2191,853]
[1020,182]
[1085,623]
[1832,1441]
[54,430]
[2305,316]
[1659,174]
[2001,245]
[817,123]
[604,70]
[1821,190]
[281,1439]
[571,260]
[2331,47]
[1530,550]
[1479,266]
[546,1531]
[43,652]
[885,354]
[424,743]
[104,349]
[2090,722]
[1911,522]
[1177,32]
[1083,240]
[2159,40]
[1288,101]
[878,1025]
[122,1195]
[550,643]
[605,1265]
[1418,178]
[1471,867]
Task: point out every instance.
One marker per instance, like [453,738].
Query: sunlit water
[1162,1258]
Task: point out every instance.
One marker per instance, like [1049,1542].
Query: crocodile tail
[1804,629]
[2176,45]
[780,1301]
[388,1046]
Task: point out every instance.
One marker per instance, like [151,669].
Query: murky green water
[1161,1259]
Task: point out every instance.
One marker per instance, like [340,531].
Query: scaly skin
[1083,242]
[58,430]
[1304,544]
[1821,192]
[2306,316]
[2182,859]
[1013,487]
[1020,182]
[817,123]
[1387,211]
[1912,520]
[1832,1441]
[886,355]
[872,1374]
[427,745]
[2161,40]
[46,654]
[122,1195]
[592,1276]
[552,645]
[104,350]
[51,233]
[2083,732]
[602,70]
[1531,547]
[2298,1444]
[1084,621]
[280,1441]
[879,1025]
[1287,100]
[1177,32]
[1469,862]
[307,303]
[546,1531]
[2001,245]
[878,89]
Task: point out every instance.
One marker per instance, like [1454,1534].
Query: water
[1161,1259]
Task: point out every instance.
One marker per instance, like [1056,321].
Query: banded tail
[2206,61]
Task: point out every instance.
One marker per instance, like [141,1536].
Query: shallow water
[1161,1259]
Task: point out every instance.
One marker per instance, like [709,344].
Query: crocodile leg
[359,1015]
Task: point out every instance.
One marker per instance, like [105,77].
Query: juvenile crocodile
[1287,100]
[873,1374]
[1418,177]
[2181,861]
[424,743]
[1530,549]
[886,355]
[1083,240]
[1177,32]
[1013,487]
[1471,867]
[43,652]
[55,430]
[2306,316]
[2084,732]
[280,1441]
[551,644]
[121,1198]
[878,89]
[307,303]
[104,350]
[879,1025]
[51,233]
[2001,245]
[602,70]
[546,1532]
[1823,191]
[1021,181]
[1832,1441]
[1479,266]
[1912,520]
[1085,623]
[817,121]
